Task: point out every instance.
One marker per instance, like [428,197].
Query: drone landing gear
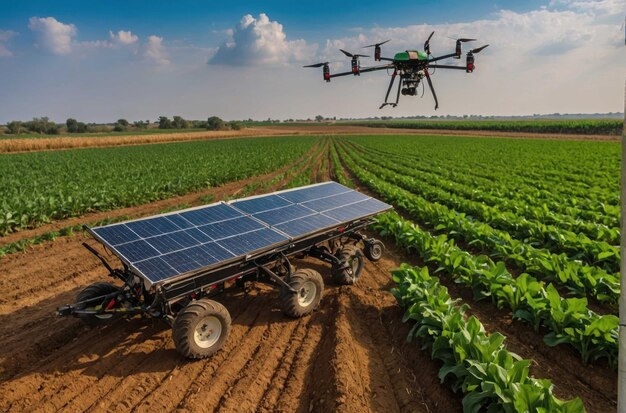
[393,105]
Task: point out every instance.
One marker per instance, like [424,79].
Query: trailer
[173,265]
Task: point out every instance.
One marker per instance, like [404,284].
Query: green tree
[121,125]
[319,118]
[15,127]
[73,126]
[42,125]
[165,122]
[179,123]
[215,123]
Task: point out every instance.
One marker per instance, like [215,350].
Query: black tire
[195,326]
[309,285]
[349,271]
[374,249]
[93,291]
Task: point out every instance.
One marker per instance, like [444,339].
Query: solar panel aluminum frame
[240,260]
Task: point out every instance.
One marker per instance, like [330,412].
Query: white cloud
[53,36]
[5,36]
[611,7]
[155,51]
[123,37]
[259,41]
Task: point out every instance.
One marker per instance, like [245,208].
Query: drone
[412,66]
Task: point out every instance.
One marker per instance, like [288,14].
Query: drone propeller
[458,46]
[325,70]
[354,56]
[478,49]
[376,47]
[317,64]
[427,43]
[377,44]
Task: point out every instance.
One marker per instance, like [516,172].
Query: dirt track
[349,356]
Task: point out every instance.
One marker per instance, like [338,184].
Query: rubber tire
[374,249]
[289,300]
[185,324]
[93,291]
[346,276]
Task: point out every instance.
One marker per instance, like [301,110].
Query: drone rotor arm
[445,56]
[432,89]
[447,67]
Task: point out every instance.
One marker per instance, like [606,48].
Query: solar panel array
[169,245]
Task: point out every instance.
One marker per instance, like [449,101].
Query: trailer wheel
[93,291]
[373,249]
[201,328]
[309,285]
[349,271]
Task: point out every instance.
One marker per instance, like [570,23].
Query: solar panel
[166,246]
[298,227]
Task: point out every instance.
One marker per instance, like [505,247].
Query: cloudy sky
[104,60]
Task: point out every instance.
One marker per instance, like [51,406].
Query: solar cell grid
[260,204]
[150,227]
[173,244]
[284,214]
[335,201]
[298,227]
[230,227]
[249,242]
[210,214]
[314,192]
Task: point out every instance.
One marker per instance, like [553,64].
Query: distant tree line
[45,126]
[212,123]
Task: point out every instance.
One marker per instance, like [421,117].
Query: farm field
[524,231]
[573,126]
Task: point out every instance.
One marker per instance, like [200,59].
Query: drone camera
[326,73]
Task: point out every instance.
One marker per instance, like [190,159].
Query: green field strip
[580,279]
[491,378]
[547,126]
[452,154]
[577,247]
[497,196]
[567,320]
[39,187]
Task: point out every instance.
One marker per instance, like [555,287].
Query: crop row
[530,203]
[575,126]
[491,377]
[568,320]
[581,279]
[577,246]
[534,167]
[337,168]
[39,187]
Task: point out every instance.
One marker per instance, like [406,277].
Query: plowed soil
[350,355]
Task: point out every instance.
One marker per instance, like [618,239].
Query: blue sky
[99,60]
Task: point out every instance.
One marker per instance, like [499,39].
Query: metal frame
[158,299]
